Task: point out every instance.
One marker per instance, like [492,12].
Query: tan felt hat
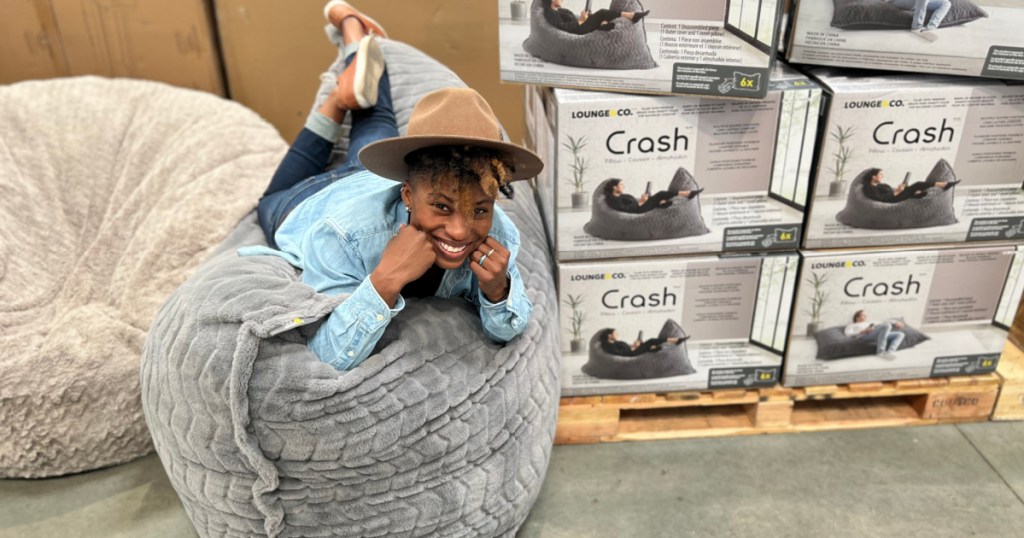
[447,117]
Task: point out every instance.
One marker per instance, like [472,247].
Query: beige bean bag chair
[113,191]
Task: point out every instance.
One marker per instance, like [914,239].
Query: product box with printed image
[670,324]
[639,175]
[881,315]
[712,47]
[955,37]
[917,159]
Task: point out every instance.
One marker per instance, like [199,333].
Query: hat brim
[386,158]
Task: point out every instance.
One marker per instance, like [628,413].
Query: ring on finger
[481,260]
[489,252]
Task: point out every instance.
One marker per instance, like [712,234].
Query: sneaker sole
[369,68]
[369,19]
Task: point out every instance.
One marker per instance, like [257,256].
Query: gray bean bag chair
[681,219]
[623,47]
[670,360]
[112,192]
[879,15]
[441,432]
[933,209]
[833,344]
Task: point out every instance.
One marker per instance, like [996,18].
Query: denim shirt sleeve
[332,266]
[504,320]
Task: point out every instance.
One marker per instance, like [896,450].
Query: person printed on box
[587,22]
[617,200]
[886,335]
[611,344]
[877,190]
[406,216]
[939,9]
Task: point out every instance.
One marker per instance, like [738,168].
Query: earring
[406,209]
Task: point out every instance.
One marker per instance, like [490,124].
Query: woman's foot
[948,184]
[357,84]
[638,16]
[691,194]
[336,11]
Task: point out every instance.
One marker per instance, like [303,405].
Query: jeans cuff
[323,127]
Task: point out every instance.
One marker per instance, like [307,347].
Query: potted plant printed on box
[576,322]
[579,169]
[842,156]
[519,10]
[817,301]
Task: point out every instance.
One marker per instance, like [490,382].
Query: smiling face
[440,212]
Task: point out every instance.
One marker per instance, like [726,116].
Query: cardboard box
[752,158]
[918,128]
[734,312]
[977,38]
[275,51]
[172,43]
[953,307]
[716,47]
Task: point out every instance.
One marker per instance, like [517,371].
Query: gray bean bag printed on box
[882,15]
[935,208]
[623,47]
[441,432]
[670,360]
[681,219]
[834,344]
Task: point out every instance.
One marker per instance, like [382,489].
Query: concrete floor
[929,481]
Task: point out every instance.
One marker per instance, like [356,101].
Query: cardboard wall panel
[30,46]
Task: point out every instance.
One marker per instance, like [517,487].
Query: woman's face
[878,178]
[437,214]
[613,336]
[619,188]
[556,4]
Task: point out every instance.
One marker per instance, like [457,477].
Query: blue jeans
[884,337]
[301,172]
[939,9]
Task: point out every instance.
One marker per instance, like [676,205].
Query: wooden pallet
[644,417]
[1010,405]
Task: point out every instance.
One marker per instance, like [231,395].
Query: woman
[938,8]
[876,189]
[611,344]
[434,232]
[587,22]
[617,200]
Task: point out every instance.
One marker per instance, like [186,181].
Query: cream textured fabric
[113,192]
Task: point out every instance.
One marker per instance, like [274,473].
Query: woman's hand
[492,274]
[643,198]
[583,16]
[406,257]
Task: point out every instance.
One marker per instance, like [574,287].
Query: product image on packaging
[886,315]
[674,323]
[956,37]
[915,159]
[637,175]
[712,47]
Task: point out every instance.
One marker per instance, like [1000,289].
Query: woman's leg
[941,8]
[656,200]
[374,123]
[598,17]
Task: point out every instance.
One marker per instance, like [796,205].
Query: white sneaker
[926,35]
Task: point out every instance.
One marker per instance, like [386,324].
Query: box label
[1004,62]
[776,237]
[981,363]
[725,378]
[719,80]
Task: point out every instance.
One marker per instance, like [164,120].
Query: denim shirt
[337,237]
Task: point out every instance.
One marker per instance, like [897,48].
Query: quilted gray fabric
[112,192]
[623,47]
[669,361]
[681,219]
[834,344]
[933,209]
[879,15]
[439,433]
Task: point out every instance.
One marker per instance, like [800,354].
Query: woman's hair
[857,313]
[605,333]
[546,4]
[872,172]
[464,166]
[609,188]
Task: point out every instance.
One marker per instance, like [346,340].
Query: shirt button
[351,353]
[380,317]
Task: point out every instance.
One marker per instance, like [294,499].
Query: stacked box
[716,47]
[919,129]
[730,314]
[901,314]
[752,160]
[975,38]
